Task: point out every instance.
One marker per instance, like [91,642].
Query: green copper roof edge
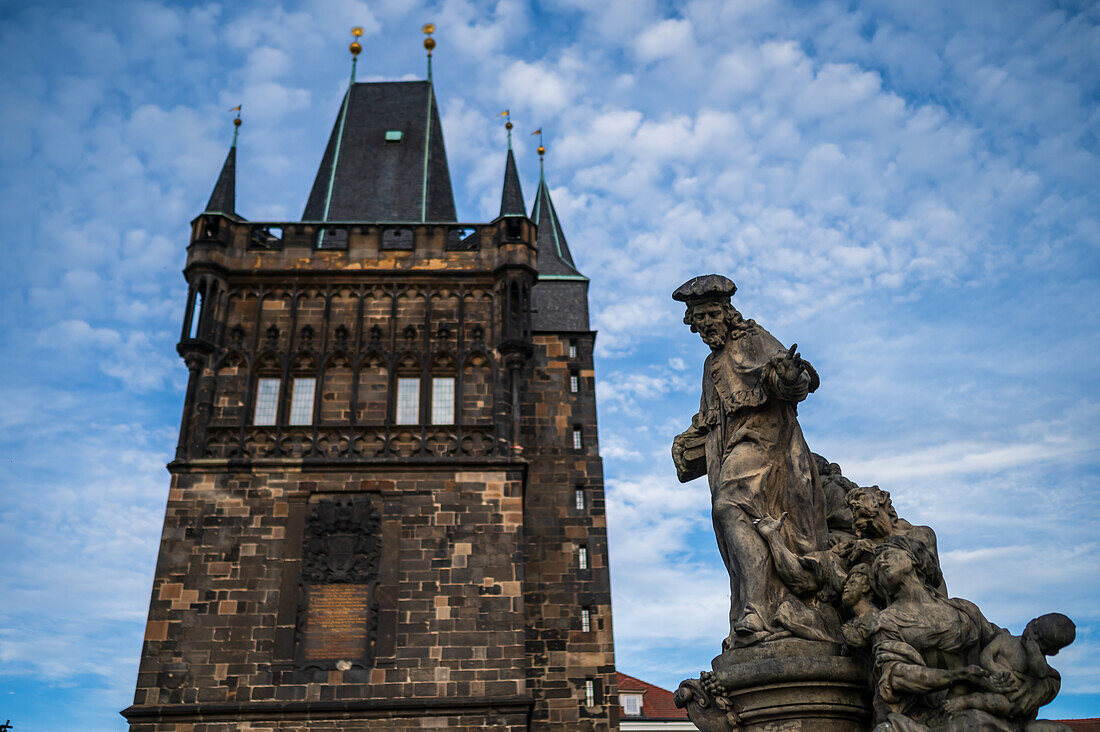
[573,278]
[427,150]
[336,152]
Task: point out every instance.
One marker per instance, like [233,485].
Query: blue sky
[909,191]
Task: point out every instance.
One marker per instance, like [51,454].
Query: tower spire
[223,199]
[511,198]
[554,258]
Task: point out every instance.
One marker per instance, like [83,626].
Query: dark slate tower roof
[385,160]
[553,252]
[224,197]
[511,198]
[560,296]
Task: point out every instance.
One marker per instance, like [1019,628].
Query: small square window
[267,402]
[578,497]
[586,619]
[394,135]
[590,692]
[572,349]
[582,557]
[578,438]
[408,401]
[301,401]
[574,382]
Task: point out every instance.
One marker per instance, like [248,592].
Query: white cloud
[669,37]
[536,86]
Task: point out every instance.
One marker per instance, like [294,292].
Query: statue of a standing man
[747,440]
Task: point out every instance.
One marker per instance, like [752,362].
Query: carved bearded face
[872,517]
[713,321]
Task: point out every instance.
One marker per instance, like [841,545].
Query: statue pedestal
[787,685]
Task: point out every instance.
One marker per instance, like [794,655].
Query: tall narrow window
[301,401]
[572,349]
[443,400]
[408,401]
[578,496]
[578,438]
[267,402]
[196,317]
[574,382]
[590,692]
[582,557]
[586,619]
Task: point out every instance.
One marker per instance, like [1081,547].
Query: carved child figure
[875,521]
[857,597]
[1018,668]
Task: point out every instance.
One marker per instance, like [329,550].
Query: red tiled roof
[656,702]
[1082,725]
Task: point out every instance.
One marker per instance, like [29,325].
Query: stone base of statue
[785,685]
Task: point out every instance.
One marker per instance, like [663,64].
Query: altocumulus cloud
[908,192]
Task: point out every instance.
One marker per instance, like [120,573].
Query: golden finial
[355,46]
[541,150]
[429,43]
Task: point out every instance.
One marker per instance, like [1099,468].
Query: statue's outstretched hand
[789,376]
[788,367]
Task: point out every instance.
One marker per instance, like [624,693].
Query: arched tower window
[265,405]
[407,401]
[443,390]
[303,388]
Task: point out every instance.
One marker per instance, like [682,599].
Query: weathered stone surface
[336,568]
[828,625]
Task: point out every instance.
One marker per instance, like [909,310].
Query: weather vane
[355,48]
[507,114]
[541,150]
[236,129]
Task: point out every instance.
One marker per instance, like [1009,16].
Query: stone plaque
[336,622]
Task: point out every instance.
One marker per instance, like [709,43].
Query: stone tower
[386,507]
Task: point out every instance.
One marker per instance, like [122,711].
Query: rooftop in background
[657,709]
[1082,725]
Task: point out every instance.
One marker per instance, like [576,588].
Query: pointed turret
[561,293]
[511,199]
[554,257]
[223,199]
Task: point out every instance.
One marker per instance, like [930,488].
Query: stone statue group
[814,557]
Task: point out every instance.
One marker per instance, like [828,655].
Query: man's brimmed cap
[705,287]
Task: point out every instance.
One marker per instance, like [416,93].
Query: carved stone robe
[758,464]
